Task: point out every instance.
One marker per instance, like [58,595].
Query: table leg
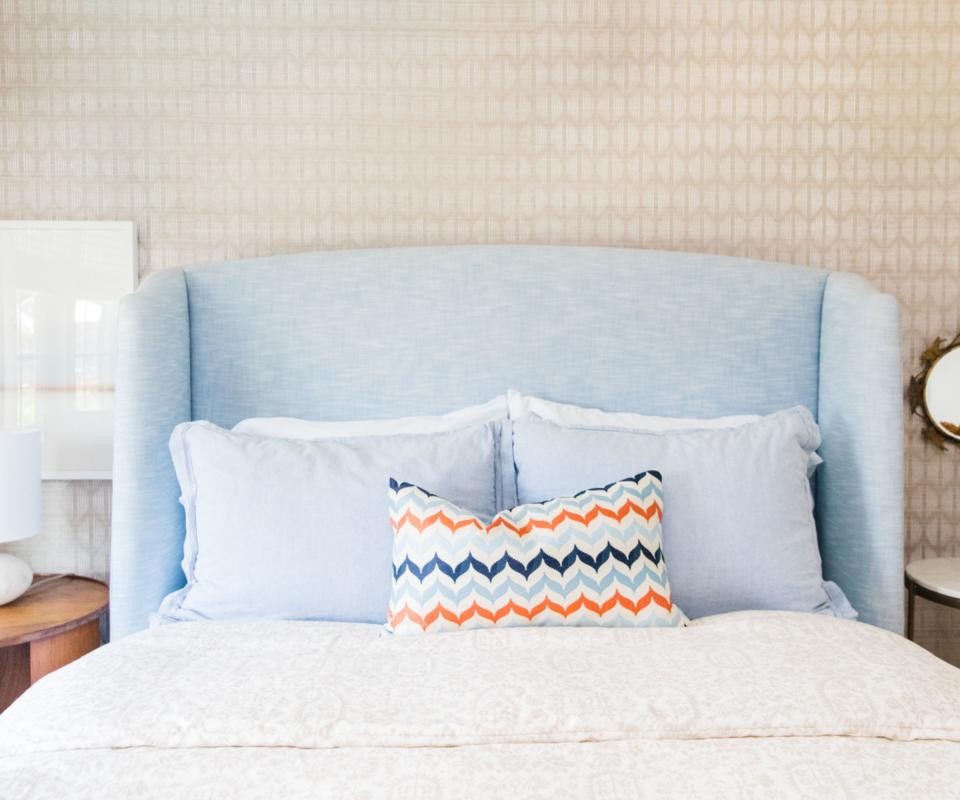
[911,603]
[14,673]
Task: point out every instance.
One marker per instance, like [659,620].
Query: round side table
[54,622]
[935,579]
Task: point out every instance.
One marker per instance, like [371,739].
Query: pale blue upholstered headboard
[381,333]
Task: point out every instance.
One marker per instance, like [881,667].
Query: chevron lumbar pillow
[591,559]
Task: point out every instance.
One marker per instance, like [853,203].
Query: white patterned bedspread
[757,705]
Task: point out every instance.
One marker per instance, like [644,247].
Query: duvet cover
[753,704]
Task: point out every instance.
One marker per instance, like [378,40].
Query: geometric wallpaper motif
[814,132]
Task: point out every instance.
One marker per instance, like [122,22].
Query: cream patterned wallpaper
[816,132]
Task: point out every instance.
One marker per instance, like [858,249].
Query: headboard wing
[153,396]
[860,483]
[380,333]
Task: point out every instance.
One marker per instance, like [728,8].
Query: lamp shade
[20,499]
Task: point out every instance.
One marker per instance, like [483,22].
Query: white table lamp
[20,505]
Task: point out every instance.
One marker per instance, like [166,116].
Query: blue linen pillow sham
[739,531]
[286,529]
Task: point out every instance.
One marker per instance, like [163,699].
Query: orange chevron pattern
[592,559]
[409,518]
[530,614]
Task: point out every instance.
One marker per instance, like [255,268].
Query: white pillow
[291,428]
[569,415]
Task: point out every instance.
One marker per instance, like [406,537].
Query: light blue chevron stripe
[453,547]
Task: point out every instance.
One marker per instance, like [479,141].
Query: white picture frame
[60,289]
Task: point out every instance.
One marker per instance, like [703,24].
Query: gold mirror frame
[918,385]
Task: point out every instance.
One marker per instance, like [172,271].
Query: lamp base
[15,578]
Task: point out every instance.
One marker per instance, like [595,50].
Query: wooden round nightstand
[936,579]
[51,624]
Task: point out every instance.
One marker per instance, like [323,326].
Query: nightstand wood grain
[49,626]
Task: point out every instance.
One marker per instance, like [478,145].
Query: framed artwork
[60,287]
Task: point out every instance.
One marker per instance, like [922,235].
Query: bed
[755,703]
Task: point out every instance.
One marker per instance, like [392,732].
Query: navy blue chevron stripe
[454,572]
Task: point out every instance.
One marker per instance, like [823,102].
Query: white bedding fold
[751,686]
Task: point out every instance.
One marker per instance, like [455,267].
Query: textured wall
[822,133]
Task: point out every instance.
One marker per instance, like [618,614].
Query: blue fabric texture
[153,396]
[297,529]
[860,483]
[370,334]
[738,529]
